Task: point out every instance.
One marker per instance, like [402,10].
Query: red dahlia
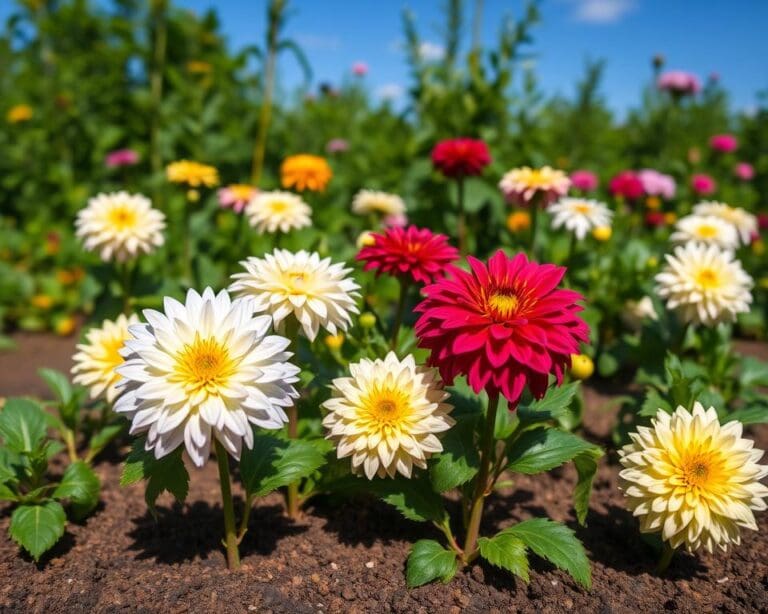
[504,326]
[409,252]
[626,184]
[461,157]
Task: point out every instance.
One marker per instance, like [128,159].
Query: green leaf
[506,423]
[653,403]
[758,414]
[36,528]
[22,425]
[58,384]
[555,403]
[7,494]
[100,439]
[556,543]
[505,551]
[542,449]
[167,473]
[81,486]
[459,461]
[414,498]
[275,462]
[428,561]
[586,468]
[753,372]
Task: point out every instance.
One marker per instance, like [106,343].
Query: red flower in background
[409,252]
[503,325]
[703,184]
[626,184]
[724,143]
[655,219]
[461,157]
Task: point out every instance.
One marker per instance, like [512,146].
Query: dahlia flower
[586,181]
[703,184]
[237,196]
[373,201]
[121,157]
[503,325]
[744,222]
[723,143]
[522,185]
[579,215]
[626,184]
[120,226]
[518,221]
[657,184]
[704,284]
[336,146]
[461,157]
[273,211]
[705,229]
[692,479]
[205,368]
[192,174]
[316,292]
[19,113]
[359,69]
[96,359]
[679,83]
[409,253]
[386,416]
[305,172]
[744,171]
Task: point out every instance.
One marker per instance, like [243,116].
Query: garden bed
[351,557]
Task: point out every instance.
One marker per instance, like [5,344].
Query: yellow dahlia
[305,172]
[193,174]
[522,185]
[273,211]
[19,113]
[744,222]
[386,416]
[692,479]
[97,358]
[373,201]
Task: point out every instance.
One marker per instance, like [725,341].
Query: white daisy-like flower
[744,222]
[97,358]
[704,284]
[120,226]
[580,216]
[373,201]
[705,229]
[273,211]
[202,369]
[315,291]
[386,415]
[692,479]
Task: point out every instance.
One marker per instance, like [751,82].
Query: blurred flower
[365,239]
[540,186]
[626,184]
[693,480]
[334,342]
[679,83]
[704,284]
[657,184]
[655,219]
[583,180]
[367,320]
[273,211]
[744,171]
[193,174]
[758,247]
[723,143]
[97,358]
[602,233]
[762,221]
[121,157]
[193,195]
[52,243]
[580,215]
[670,217]
[205,368]
[65,326]
[518,220]
[744,222]
[359,69]
[42,301]
[373,201]
[582,366]
[386,416]
[653,202]
[705,229]
[635,312]
[315,292]
[413,254]
[305,172]
[19,113]
[694,155]
[120,226]
[397,219]
[336,146]
[703,184]
[65,277]
[237,196]
[198,67]
[461,157]
[503,325]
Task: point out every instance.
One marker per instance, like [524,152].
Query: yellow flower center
[386,407]
[111,352]
[503,304]
[278,206]
[701,472]
[582,208]
[536,179]
[204,364]
[706,231]
[708,278]
[241,191]
[122,218]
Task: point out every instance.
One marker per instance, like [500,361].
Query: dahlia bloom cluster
[743,222]
[539,186]
[679,83]
[278,211]
[236,196]
[703,184]
[657,184]
[580,215]
[462,157]
[192,174]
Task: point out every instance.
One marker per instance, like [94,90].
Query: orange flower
[65,277]
[653,202]
[19,113]
[305,172]
[193,174]
[519,220]
[42,301]
[670,217]
[65,326]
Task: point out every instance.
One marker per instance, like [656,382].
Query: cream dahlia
[386,416]
[373,201]
[273,211]
[580,216]
[705,229]
[744,222]
[522,185]
[318,293]
[120,226]
[692,479]
[202,369]
[704,284]
[97,358]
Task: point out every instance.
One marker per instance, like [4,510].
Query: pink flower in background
[336,146]
[724,143]
[703,184]
[359,69]
[744,171]
[679,83]
[626,184]
[586,181]
[237,196]
[121,157]
[657,184]
[396,220]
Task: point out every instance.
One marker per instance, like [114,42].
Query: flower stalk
[230,533]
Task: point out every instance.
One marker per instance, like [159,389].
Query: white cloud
[316,42]
[431,52]
[601,11]
[390,91]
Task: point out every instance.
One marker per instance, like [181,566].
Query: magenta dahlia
[461,157]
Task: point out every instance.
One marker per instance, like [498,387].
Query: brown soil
[351,557]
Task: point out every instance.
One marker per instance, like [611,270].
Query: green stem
[69,441]
[404,285]
[461,224]
[126,271]
[666,558]
[230,533]
[244,521]
[445,527]
[293,501]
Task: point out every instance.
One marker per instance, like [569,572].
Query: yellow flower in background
[305,172]
[582,366]
[653,202]
[334,342]
[693,480]
[518,220]
[198,67]
[193,174]
[365,239]
[65,326]
[42,301]
[19,113]
[670,218]
[602,233]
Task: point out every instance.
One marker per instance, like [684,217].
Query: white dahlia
[386,415]
[120,226]
[373,201]
[744,222]
[316,292]
[704,284]
[206,368]
[97,358]
[692,479]
[273,211]
[705,229]
[580,216]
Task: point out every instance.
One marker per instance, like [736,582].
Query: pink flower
[121,157]
[657,184]
[679,83]
[586,181]
[703,184]
[336,146]
[237,196]
[626,184]
[395,220]
[724,143]
[359,69]
[744,171]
